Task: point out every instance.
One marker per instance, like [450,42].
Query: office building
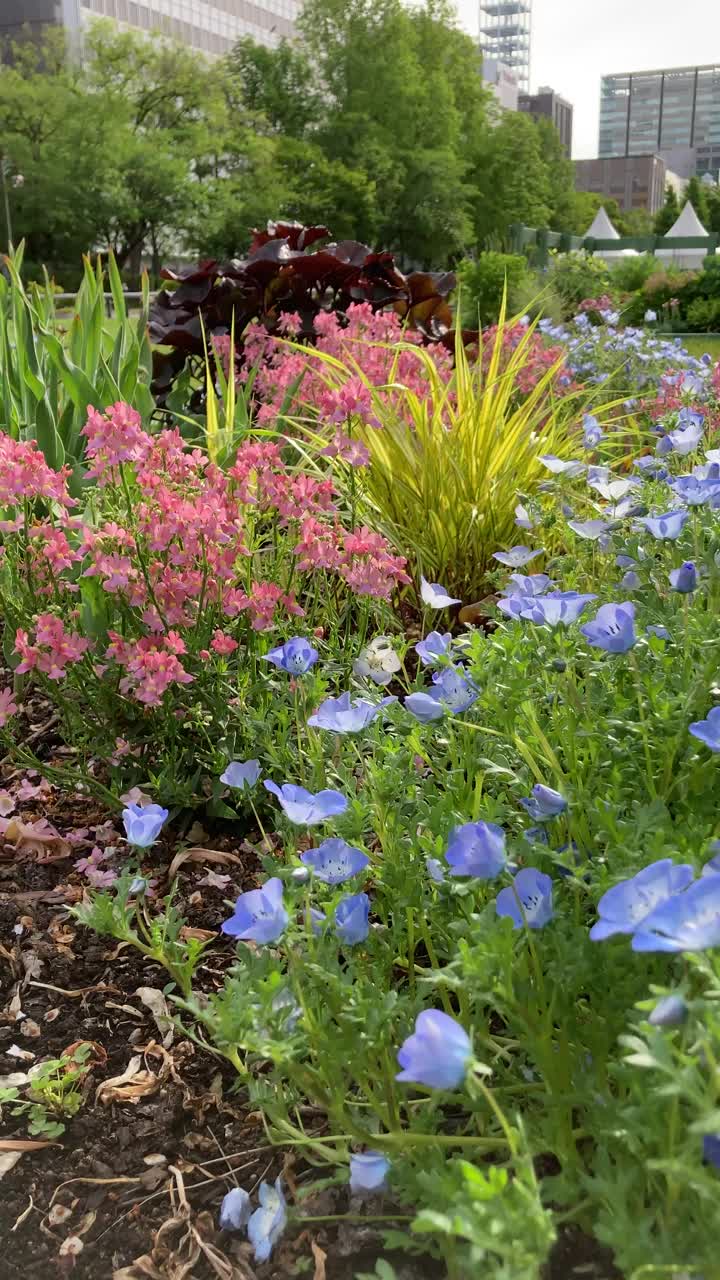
[636,182]
[505,35]
[502,81]
[672,113]
[549,104]
[212,26]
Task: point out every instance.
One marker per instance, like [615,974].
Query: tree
[666,216]
[560,176]
[694,194]
[512,180]
[278,85]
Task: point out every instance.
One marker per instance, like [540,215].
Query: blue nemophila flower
[351,919]
[612,628]
[668,526]
[335,861]
[544,803]
[424,707]
[368,1172]
[530,584]
[434,646]
[625,562]
[708,731]
[684,579]
[476,849]
[340,715]
[592,431]
[434,595]
[259,915]
[712,868]
[660,632]
[296,656]
[689,921]
[516,557]
[623,908]
[235,1210]
[269,1221]
[556,608]
[695,491]
[589,529]
[685,439]
[437,1053]
[523,518]
[631,581]
[435,870]
[241,774]
[304,808]
[528,900]
[671,1011]
[454,689]
[560,467]
[651,466]
[143,824]
[711,1149]
[536,835]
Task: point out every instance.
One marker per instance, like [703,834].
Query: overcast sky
[575,42]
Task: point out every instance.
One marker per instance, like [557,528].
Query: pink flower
[223,644]
[8,706]
[24,473]
[114,437]
[54,648]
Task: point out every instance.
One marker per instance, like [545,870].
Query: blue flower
[435,870]
[660,632]
[544,803]
[259,915]
[138,885]
[668,526]
[530,584]
[438,1052]
[555,608]
[712,868]
[684,440]
[623,908]
[612,628]
[671,1011]
[536,835]
[708,731]
[695,491]
[476,849]
[454,689]
[589,529]
[631,581]
[689,921]
[523,518]
[234,1210]
[435,596]
[269,1221]
[592,431]
[424,707]
[711,1149]
[434,646]
[528,901]
[304,808]
[335,861]
[516,557]
[684,579]
[295,656]
[651,466]
[368,1172]
[351,918]
[339,715]
[143,824]
[559,467]
[241,774]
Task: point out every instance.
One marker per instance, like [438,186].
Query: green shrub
[482,283]
[631,274]
[703,315]
[574,276]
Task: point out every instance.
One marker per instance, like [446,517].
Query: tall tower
[505,35]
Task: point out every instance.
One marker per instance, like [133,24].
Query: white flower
[378,661]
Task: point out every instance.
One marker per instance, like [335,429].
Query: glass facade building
[672,112]
[505,35]
[212,26]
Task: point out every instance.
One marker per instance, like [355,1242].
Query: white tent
[603,229]
[688,224]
